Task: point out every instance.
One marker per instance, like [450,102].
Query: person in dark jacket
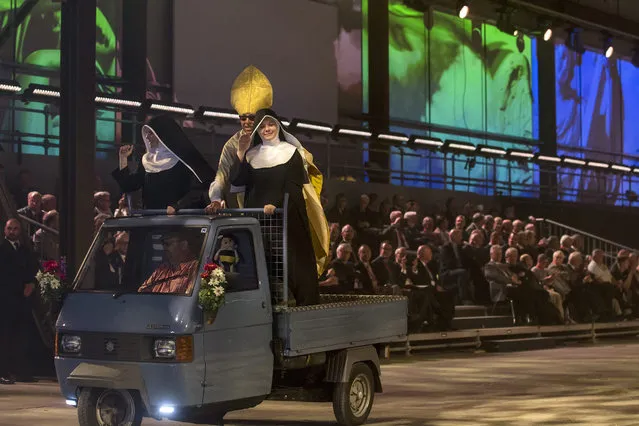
[172,173]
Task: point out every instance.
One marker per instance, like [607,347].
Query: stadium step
[465,323]
[525,344]
[471,311]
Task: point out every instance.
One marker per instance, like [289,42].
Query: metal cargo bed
[341,321]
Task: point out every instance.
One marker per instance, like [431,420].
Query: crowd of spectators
[473,258]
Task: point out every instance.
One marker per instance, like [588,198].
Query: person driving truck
[177,273]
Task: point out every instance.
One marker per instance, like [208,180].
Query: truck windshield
[158,259]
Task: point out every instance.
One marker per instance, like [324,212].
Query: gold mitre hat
[251,91]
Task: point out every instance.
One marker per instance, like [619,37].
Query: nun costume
[172,172]
[273,167]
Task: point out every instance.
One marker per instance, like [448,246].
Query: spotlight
[608,48]
[175,108]
[463,9]
[548,34]
[9,86]
[225,114]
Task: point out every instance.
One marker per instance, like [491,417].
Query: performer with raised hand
[250,92]
[172,173]
[272,167]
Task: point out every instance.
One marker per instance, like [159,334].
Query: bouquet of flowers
[212,290]
[51,281]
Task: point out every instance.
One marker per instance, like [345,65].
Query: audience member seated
[588,305]
[395,231]
[603,281]
[547,279]
[348,237]
[363,268]
[411,231]
[344,270]
[451,271]
[383,265]
[339,213]
[543,310]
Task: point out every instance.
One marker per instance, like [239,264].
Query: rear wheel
[108,407]
[353,400]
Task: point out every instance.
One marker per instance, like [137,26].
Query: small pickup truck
[133,342]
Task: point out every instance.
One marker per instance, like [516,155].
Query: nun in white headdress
[273,167]
[172,173]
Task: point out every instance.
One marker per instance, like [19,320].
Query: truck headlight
[179,348]
[164,348]
[70,344]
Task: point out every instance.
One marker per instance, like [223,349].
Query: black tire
[88,407]
[354,413]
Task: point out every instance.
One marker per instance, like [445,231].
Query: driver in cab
[177,273]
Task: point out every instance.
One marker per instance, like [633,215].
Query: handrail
[584,233]
[197,212]
[38,224]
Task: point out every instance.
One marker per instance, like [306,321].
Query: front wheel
[108,407]
[353,400]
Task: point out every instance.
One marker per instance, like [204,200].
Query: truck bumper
[159,384]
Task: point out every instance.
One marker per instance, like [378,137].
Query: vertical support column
[547,116]
[378,83]
[134,54]
[77,129]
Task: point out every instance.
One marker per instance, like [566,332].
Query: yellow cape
[320,234]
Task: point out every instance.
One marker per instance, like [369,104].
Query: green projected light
[37,44]
[461,74]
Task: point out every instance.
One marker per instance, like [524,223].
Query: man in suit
[18,268]
[383,264]
[33,210]
[429,296]
[451,272]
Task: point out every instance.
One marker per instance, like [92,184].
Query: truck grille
[115,346]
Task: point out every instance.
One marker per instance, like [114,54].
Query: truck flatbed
[340,322]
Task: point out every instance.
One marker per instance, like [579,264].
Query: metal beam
[584,16]
[15,20]
[77,129]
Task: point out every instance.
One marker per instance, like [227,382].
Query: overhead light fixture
[635,170]
[9,86]
[170,107]
[573,161]
[608,48]
[105,99]
[491,151]
[621,168]
[425,142]
[351,131]
[463,8]
[547,158]
[42,91]
[393,137]
[515,153]
[311,125]
[548,34]
[285,122]
[598,165]
[225,114]
[455,146]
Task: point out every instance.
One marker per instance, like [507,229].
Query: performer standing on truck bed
[251,92]
[272,168]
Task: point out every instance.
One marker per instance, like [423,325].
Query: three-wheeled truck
[133,342]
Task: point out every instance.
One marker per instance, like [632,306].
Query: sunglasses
[247,117]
